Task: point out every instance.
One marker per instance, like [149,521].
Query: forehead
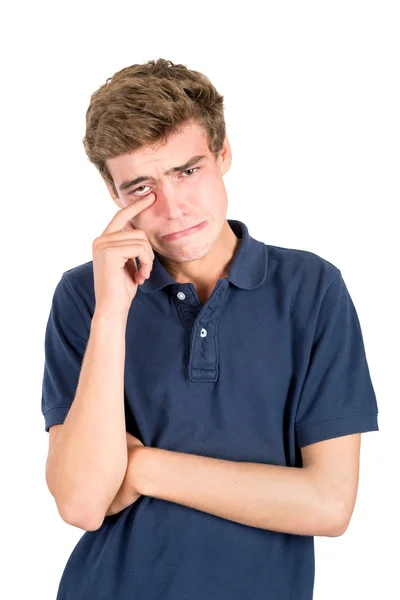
[178,148]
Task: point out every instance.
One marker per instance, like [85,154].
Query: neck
[213,266]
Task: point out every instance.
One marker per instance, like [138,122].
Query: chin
[193,252]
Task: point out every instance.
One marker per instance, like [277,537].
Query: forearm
[127,493]
[89,459]
[283,499]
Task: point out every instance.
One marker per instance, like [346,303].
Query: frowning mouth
[184,232]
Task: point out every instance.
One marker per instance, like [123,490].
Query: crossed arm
[317,499]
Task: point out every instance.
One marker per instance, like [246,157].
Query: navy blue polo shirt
[272,362]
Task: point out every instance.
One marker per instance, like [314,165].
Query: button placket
[201,324]
[203,358]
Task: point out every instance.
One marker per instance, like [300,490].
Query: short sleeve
[65,342]
[337,397]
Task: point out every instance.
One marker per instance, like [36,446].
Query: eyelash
[140,186]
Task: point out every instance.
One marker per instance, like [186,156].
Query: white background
[311,91]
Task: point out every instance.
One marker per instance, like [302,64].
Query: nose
[169,202]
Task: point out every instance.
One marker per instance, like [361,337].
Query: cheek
[144,223]
[215,198]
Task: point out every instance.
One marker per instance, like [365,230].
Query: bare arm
[89,458]
[87,465]
[317,499]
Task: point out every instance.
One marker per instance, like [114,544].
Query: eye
[144,186]
[136,189]
[192,169]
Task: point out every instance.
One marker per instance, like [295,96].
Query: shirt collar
[247,271]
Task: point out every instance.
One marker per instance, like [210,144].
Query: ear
[225,156]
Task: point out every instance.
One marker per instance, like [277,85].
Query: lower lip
[177,236]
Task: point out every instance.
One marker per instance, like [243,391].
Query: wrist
[101,319]
[144,469]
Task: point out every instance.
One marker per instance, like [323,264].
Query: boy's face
[182,199]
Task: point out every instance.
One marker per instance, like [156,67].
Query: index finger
[121,219]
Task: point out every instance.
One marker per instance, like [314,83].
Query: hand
[116,276]
[127,494]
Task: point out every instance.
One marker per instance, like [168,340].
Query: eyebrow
[129,183]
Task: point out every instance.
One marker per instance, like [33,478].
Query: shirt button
[181,295]
[203,332]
